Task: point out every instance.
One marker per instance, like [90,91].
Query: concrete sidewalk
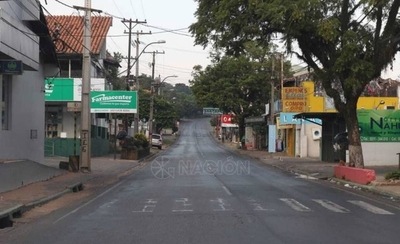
[105,170]
[315,169]
[26,184]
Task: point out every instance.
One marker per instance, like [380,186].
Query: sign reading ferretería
[113,102]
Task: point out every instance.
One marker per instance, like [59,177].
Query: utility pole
[272,110]
[136,121]
[85,163]
[281,75]
[152,92]
[129,24]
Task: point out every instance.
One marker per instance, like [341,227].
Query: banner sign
[69,89]
[294,99]
[59,89]
[113,102]
[379,125]
[288,118]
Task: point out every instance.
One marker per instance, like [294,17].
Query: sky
[168,21]
[180,53]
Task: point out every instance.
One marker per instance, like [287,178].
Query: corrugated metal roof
[70,30]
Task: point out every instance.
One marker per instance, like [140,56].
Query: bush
[141,140]
[393,175]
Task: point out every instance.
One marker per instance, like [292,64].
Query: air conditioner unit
[316,134]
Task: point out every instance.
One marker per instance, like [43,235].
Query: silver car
[156,141]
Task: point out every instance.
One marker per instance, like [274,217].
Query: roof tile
[71,32]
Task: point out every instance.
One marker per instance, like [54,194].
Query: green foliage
[112,74]
[237,84]
[140,140]
[214,121]
[393,175]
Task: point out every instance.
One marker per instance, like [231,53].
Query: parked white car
[156,141]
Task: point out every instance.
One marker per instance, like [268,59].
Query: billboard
[113,102]
[379,125]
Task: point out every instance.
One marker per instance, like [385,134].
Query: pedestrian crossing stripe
[295,205]
[370,207]
[331,206]
[221,204]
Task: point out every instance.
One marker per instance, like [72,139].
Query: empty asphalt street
[196,191]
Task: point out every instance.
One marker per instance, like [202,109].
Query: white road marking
[295,205]
[89,202]
[331,206]
[258,207]
[184,205]
[222,204]
[227,191]
[149,206]
[370,208]
[146,209]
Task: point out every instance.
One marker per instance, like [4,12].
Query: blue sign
[288,119]
[11,67]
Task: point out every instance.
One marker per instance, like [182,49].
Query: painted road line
[295,205]
[370,208]
[331,206]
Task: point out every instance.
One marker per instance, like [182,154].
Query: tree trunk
[355,150]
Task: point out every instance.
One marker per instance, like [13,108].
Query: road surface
[198,192]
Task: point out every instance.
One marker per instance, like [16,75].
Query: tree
[112,72]
[164,112]
[347,43]
[236,84]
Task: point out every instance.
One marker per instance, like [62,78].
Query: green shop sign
[59,89]
[379,125]
[113,102]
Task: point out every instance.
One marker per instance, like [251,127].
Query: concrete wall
[27,113]
[381,153]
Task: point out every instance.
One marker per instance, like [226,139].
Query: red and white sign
[227,121]
[227,118]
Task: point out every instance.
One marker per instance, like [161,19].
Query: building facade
[63,123]
[26,46]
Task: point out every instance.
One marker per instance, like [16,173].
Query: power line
[167,30]
[133,9]
[119,10]
[69,6]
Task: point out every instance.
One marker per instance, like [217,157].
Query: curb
[368,188]
[15,212]
[72,188]
[10,212]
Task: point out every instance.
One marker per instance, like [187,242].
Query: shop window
[53,119]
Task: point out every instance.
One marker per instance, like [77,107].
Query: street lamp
[164,80]
[136,121]
[152,107]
